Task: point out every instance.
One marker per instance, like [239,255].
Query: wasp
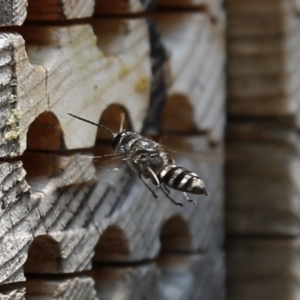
[148,160]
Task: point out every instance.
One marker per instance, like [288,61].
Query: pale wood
[258,7]
[13,12]
[197,71]
[263,59]
[263,171]
[75,287]
[192,276]
[60,10]
[169,277]
[57,225]
[130,283]
[260,289]
[123,6]
[78,74]
[31,211]
[271,268]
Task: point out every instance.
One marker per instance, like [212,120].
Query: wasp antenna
[122,122]
[90,122]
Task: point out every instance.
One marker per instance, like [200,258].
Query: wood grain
[63,216]
[266,166]
[78,73]
[67,287]
[263,59]
[121,7]
[197,72]
[60,10]
[269,266]
[13,12]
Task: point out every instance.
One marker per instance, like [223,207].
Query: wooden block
[170,277]
[60,10]
[192,276]
[264,180]
[160,80]
[12,292]
[67,287]
[123,7]
[212,7]
[76,71]
[257,7]
[243,27]
[266,288]
[132,282]
[30,211]
[263,59]
[56,224]
[253,258]
[13,12]
[197,71]
[270,267]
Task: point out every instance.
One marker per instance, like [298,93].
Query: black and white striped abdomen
[182,179]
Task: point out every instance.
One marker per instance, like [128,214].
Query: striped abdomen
[182,179]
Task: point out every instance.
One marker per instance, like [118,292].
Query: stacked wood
[64,210]
[129,7]
[263,56]
[197,78]
[54,75]
[263,269]
[264,181]
[212,7]
[263,145]
[13,12]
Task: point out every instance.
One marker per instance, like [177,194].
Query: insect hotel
[79,220]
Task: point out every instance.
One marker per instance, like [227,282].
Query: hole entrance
[112,246]
[45,133]
[177,115]
[112,119]
[44,256]
[175,261]
[175,236]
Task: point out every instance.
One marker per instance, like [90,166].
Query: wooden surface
[13,12]
[213,7]
[124,6]
[60,10]
[123,64]
[197,80]
[75,223]
[266,162]
[61,218]
[262,187]
[263,59]
[269,267]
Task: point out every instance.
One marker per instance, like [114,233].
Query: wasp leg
[167,195]
[142,179]
[166,189]
[148,187]
[188,199]
[154,177]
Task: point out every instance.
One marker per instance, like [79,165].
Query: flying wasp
[147,160]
